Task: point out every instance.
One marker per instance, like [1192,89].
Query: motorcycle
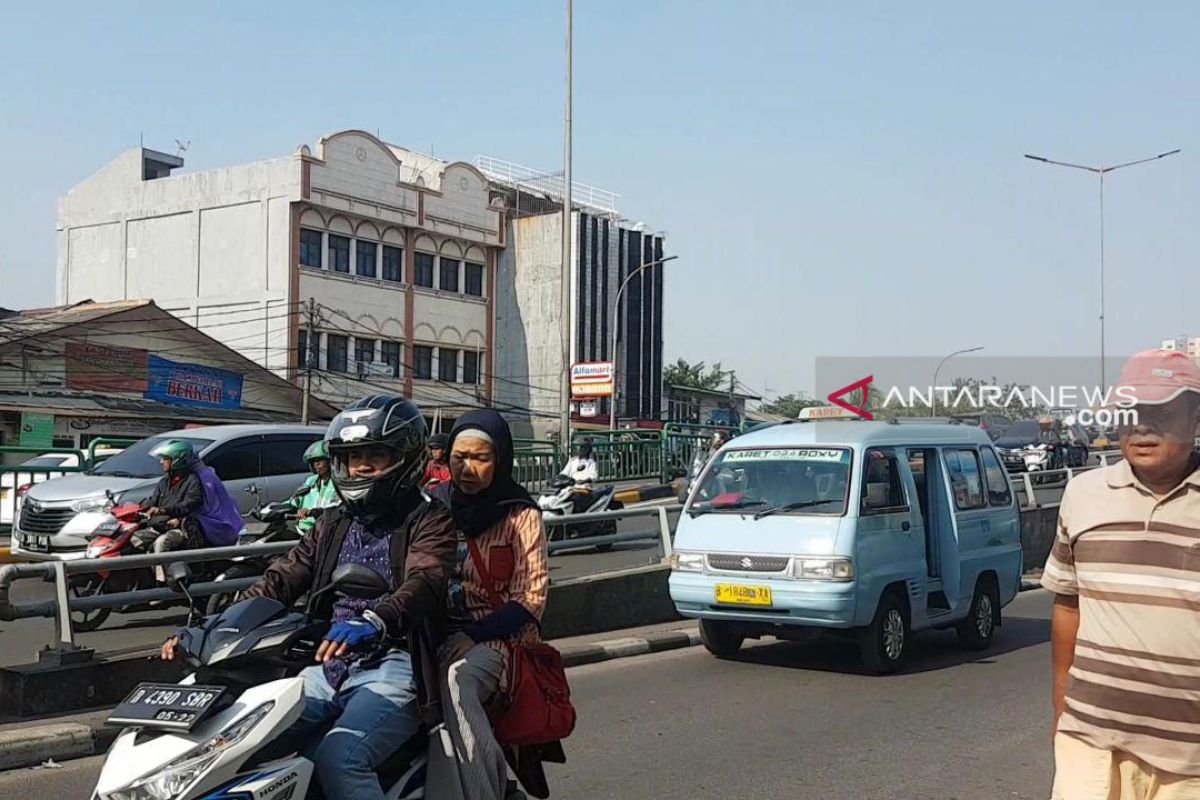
[560,502]
[126,530]
[225,729]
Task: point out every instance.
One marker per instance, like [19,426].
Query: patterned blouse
[514,550]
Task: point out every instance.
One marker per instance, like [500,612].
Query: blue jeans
[374,711]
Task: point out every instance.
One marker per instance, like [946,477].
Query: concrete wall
[528,323]
[212,247]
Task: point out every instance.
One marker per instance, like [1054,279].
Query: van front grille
[739,563]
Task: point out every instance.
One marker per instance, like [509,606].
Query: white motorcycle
[566,498]
[220,732]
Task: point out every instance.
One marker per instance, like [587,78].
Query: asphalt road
[790,721]
[21,639]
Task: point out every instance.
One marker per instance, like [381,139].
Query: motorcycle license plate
[166,705]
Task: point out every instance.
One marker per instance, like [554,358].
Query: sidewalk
[27,743]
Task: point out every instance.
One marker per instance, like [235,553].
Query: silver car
[58,517]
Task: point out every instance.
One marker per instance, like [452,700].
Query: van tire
[722,639]
[977,631]
[886,642]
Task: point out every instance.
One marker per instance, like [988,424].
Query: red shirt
[435,472]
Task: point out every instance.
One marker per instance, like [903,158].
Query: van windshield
[135,461]
[789,480]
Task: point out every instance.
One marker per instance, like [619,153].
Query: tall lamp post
[612,406]
[1101,172]
[933,405]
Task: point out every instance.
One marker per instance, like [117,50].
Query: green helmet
[183,458]
[316,451]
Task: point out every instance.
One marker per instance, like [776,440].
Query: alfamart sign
[592,379]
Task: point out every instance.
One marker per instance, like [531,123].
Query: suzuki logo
[746,562]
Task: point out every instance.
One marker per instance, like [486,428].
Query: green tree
[789,406]
[694,376]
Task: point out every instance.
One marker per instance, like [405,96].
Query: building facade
[362,267]
[1184,344]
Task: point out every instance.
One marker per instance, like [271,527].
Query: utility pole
[564,431]
[310,316]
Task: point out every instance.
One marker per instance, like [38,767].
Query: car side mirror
[355,580]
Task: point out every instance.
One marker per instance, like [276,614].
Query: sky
[838,179]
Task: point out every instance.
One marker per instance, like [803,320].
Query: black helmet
[381,420]
[439,441]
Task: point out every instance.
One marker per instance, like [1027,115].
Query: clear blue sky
[837,178]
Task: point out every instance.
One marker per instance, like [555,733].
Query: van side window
[236,461]
[883,490]
[997,484]
[284,455]
[962,464]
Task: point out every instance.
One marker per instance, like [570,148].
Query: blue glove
[354,632]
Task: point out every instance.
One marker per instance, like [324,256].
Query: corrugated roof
[37,321]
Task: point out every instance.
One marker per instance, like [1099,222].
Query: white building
[1184,344]
[379,259]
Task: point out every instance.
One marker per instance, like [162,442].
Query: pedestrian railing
[66,599]
[1027,484]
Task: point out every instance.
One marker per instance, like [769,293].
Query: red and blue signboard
[192,385]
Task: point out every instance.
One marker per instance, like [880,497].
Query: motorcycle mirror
[178,574]
[251,489]
[355,580]
[303,490]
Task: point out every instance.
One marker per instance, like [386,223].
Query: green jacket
[323,496]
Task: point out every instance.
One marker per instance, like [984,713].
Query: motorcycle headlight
[90,504]
[823,569]
[687,562]
[174,778]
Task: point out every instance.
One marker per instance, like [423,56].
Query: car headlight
[174,778]
[823,569]
[687,562]
[90,504]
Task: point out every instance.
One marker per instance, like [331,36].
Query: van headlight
[687,562]
[823,569]
[174,778]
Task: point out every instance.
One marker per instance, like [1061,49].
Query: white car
[42,468]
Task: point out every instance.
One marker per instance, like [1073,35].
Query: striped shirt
[1133,559]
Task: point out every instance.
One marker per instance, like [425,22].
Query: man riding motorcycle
[321,493]
[584,471]
[377,678]
[198,508]
[438,469]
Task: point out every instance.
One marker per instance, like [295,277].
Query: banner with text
[193,385]
[95,367]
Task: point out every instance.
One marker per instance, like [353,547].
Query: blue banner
[193,385]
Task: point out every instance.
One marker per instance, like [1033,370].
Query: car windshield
[135,461]
[787,480]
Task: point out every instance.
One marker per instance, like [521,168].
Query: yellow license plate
[736,594]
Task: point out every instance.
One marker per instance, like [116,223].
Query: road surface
[789,721]
[20,639]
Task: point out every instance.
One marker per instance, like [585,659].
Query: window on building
[474,280]
[424,270]
[390,355]
[336,347]
[339,253]
[447,365]
[422,362]
[965,480]
[448,275]
[364,350]
[470,367]
[393,264]
[310,248]
[365,256]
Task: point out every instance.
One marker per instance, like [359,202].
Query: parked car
[995,424]
[58,516]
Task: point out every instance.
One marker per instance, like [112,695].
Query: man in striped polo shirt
[1125,569]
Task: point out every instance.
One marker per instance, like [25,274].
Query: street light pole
[1101,172]
[564,428]
[616,325]
[933,405]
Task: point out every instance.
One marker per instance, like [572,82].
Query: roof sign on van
[786,454]
[826,412]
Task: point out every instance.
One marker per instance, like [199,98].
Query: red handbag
[538,708]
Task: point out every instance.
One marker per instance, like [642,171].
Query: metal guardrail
[1028,482]
[23,475]
[60,572]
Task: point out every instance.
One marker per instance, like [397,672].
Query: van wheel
[884,644]
[722,639]
[979,628]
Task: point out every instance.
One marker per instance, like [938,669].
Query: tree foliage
[694,376]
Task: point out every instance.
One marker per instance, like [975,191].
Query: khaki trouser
[1083,772]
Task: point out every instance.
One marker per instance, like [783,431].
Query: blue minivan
[875,529]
